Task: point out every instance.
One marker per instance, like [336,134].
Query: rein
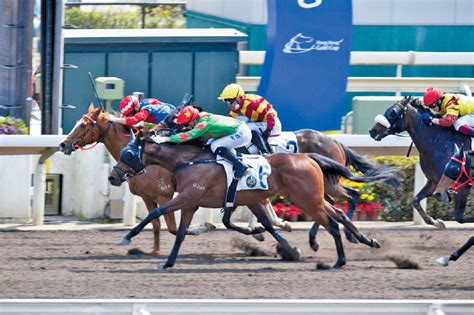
[100,139]
[456,185]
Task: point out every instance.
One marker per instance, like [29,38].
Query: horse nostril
[62,145]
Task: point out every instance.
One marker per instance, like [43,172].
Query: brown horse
[155,186]
[201,182]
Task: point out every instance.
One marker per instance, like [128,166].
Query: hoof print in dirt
[135,252]
[404,262]
[322,266]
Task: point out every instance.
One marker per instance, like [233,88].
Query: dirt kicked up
[219,264]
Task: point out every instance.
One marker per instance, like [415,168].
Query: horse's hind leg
[157,227]
[340,217]
[186,217]
[333,228]
[288,253]
[353,200]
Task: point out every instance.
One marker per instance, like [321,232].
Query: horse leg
[247,231]
[252,223]
[353,200]
[340,217]
[288,253]
[168,207]
[276,220]
[313,232]
[186,217]
[460,200]
[333,228]
[150,205]
[426,191]
[444,261]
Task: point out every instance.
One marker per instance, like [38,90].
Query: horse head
[391,122]
[455,175]
[91,128]
[130,161]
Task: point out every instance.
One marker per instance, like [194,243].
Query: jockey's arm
[270,121]
[194,133]
[446,121]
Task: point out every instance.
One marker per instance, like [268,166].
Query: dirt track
[89,264]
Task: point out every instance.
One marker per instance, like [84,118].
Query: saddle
[255,177]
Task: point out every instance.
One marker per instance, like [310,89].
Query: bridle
[100,137]
[463,173]
[127,173]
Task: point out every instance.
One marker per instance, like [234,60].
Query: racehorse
[444,261]
[155,186]
[201,182]
[434,144]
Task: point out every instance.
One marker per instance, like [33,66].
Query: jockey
[227,133]
[135,111]
[456,110]
[263,118]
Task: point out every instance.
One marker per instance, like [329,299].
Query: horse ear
[132,136]
[461,149]
[91,107]
[456,148]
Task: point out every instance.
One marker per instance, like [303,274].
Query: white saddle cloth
[256,175]
[286,142]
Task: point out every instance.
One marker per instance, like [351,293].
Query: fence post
[420,181]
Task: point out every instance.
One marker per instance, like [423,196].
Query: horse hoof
[443,261]
[164,266]
[287,226]
[125,241]
[259,237]
[210,226]
[375,243]
[339,264]
[289,254]
[314,246]
[440,224]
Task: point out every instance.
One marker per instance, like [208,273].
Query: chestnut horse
[155,186]
[202,182]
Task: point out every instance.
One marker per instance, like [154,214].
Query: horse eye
[453,170]
[393,113]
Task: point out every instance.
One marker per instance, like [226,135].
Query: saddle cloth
[286,142]
[256,175]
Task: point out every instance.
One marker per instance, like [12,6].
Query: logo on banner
[305,5]
[299,44]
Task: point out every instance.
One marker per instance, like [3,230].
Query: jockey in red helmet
[455,110]
[135,111]
[225,133]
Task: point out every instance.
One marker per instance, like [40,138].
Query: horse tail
[332,168]
[364,165]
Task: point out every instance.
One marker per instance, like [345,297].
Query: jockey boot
[258,141]
[239,167]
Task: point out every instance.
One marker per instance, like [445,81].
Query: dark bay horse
[202,182]
[434,144]
[457,174]
[95,127]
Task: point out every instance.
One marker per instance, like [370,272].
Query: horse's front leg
[229,225]
[460,200]
[150,205]
[168,207]
[427,191]
[444,261]
[186,217]
[288,253]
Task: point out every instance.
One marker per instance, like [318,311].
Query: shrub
[123,17]
[12,126]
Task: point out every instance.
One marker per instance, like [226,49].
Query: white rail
[237,307]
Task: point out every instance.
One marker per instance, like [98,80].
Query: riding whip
[95,90]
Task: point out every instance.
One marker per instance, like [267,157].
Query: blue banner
[307,61]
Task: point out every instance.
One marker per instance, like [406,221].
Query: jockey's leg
[465,124]
[223,145]
[258,141]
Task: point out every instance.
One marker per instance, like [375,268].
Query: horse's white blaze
[382,120]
